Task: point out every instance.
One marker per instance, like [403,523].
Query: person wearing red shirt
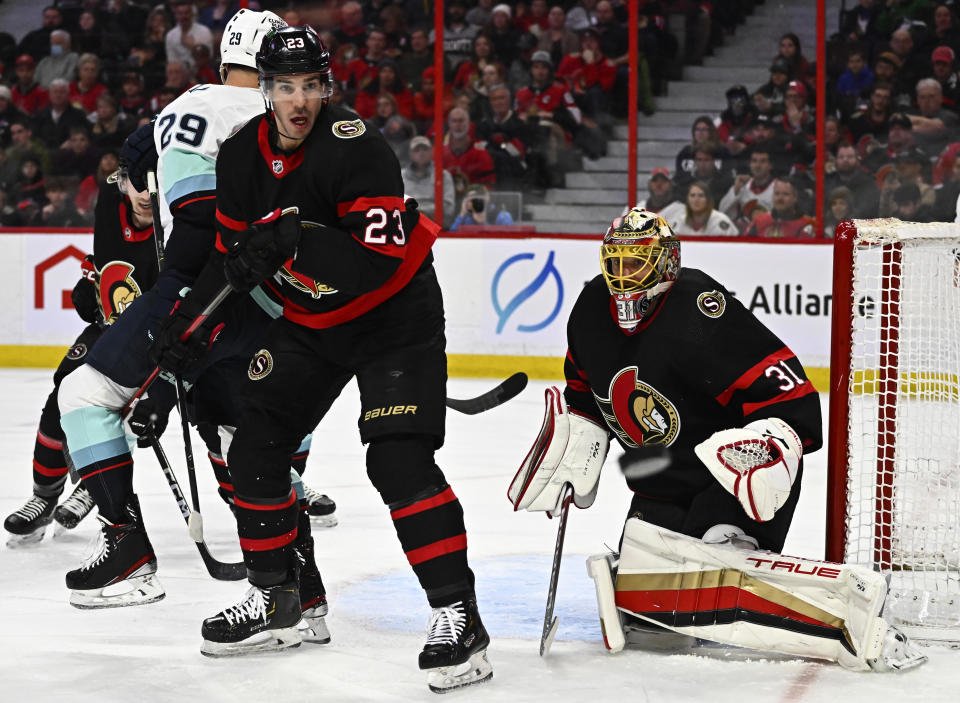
[423,101]
[591,75]
[460,153]
[785,220]
[363,69]
[388,80]
[27,95]
[86,89]
[534,21]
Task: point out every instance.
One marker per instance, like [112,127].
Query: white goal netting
[903,480]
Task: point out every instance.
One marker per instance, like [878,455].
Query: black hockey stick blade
[492,398]
[219,570]
[549,621]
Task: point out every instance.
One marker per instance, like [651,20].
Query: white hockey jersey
[188,135]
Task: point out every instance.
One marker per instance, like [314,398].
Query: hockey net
[894,496]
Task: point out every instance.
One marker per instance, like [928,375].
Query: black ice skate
[313,598]
[320,508]
[71,511]
[456,650]
[121,568]
[264,621]
[28,524]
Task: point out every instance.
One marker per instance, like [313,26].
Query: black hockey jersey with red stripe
[701,363]
[358,244]
[125,257]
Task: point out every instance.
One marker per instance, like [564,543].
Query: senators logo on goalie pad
[637,412]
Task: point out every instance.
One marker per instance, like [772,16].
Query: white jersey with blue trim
[188,136]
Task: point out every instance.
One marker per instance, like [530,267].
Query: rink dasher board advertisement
[505,296]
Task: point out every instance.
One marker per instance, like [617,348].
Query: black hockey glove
[260,250]
[148,419]
[176,355]
[84,298]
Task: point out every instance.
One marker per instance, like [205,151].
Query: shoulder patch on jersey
[348,129]
[712,303]
[260,365]
[77,351]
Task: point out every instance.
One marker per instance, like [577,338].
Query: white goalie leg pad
[749,598]
[600,567]
[757,463]
[569,449]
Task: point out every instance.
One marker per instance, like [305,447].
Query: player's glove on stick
[148,419]
[570,449]
[258,251]
[176,355]
[84,295]
[757,464]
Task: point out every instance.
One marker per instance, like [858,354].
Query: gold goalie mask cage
[640,259]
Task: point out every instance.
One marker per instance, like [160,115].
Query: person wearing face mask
[737,119]
[61,63]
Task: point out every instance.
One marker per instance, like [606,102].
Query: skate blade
[476,669]
[324,520]
[313,629]
[136,590]
[26,541]
[268,641]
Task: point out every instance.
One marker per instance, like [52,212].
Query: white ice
[50,651]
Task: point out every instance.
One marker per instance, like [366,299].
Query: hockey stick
[549,621]
[155,211]
[220,570]
[195,523]
[492,398]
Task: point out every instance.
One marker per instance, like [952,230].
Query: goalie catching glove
[757,463]
[570,449]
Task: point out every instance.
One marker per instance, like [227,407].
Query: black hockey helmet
[292,50]
[137,156]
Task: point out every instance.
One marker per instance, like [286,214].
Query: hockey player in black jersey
[123,264]
[306,192]
[715,415]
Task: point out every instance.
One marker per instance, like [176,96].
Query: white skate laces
[99,547]
[252,607]
[80,503]
[312,496]
[33,508]
[446,624]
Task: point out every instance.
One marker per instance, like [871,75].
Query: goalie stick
[492,398]
[220,570]
[549,621]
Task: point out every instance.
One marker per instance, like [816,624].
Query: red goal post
[893,499]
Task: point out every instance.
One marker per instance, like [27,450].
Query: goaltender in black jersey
[715,415]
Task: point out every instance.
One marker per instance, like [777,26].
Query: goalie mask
[290,51]
[640,259]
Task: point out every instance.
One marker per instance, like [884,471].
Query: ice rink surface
[50,651]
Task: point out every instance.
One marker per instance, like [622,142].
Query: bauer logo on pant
[260,365]
[392,410]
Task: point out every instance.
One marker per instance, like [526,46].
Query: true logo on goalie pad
[637,412]
[712,303]
[260,365]
[348,129]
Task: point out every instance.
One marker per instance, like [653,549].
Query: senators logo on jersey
[305,283]
[637,412]
[117,289]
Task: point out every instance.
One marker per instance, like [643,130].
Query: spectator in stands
[505,136]
[504,35]
[8,114]
[457,34]
[86,198]
[61,63]
[853,82]
[944,73]
[37,43]
[582,15]
[203,71]
[60,210]
[833,134]
[786,219]
[110,128]
[900,13]
[85,91]
[77,157]
[123,21]
[53,122]
[798,119]
[23,145]
[394,26]
[413,63]
[909,207]
[535,19]
[132,100]
[362,70]
[351,29]
[913,66]
[475,209]
[614,43]
[899,141]
[149,52]
[179,77]
[480,14]
[591,77]
[88,38]
[913,167]
[751,193]
[768,99]
[418,180]
[791,52]
[27,94]
[461,154]
[660,190]
[30,183]
[706,171]
[933,125]
[697,214]
[851,175]
[186,34]
[398,131]
[518,72]
[859,23]
[839,208]
[384,107]
[557,39]
[490,76]
[217,14]
[468,75]
[886,69]
[423,102]
[387,80]
[736,120]
[704,136]
[944,31]
[874,118]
